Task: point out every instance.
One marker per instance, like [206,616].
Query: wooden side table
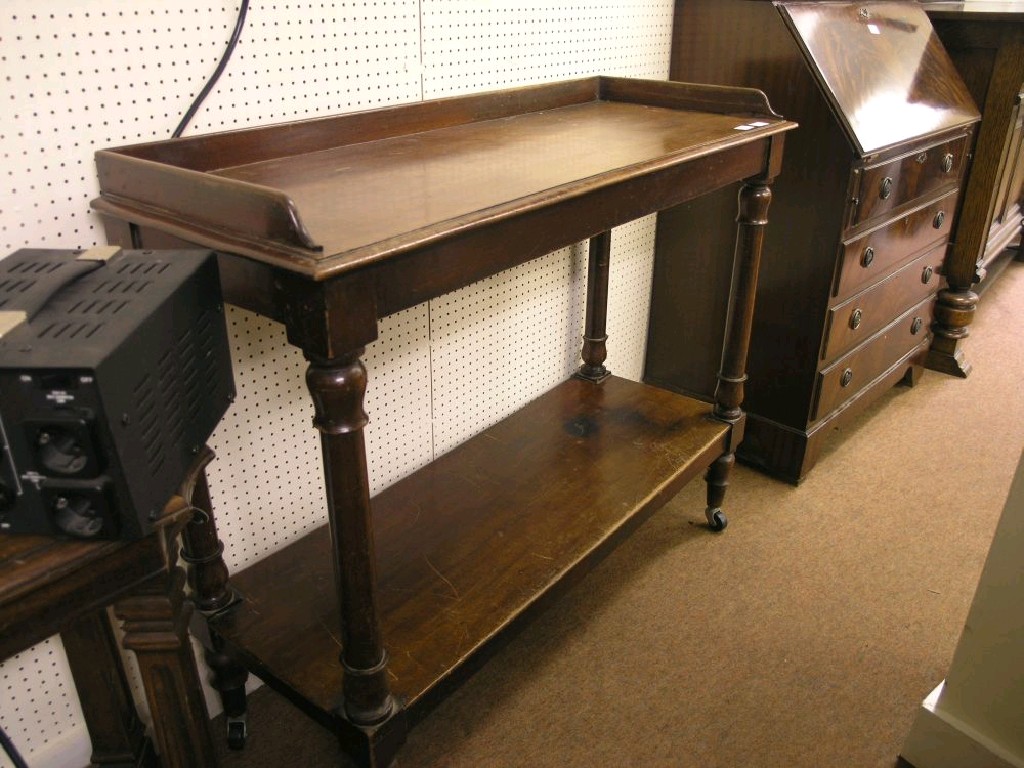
[329,225]
[49,586]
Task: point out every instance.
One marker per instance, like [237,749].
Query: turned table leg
[211,593]
[754,198]
[595,336]
[337,387]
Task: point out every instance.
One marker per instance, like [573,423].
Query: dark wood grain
[299,210]
[49,585]
[116,732]
[891,244]
[883,68]
[986,43]
[853,321]
[909,177]
[467,544]
[356,623]
[872,359]
[870,107]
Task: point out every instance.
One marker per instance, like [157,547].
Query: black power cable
[237,33]
[12,753]
[5,742]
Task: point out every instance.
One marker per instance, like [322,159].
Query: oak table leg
[337,387]
[117,734]
[754,198]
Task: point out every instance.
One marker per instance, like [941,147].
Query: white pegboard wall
[77,77]
[39,703]
[471,45]
[267,479]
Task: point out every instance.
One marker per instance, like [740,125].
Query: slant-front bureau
[864,211]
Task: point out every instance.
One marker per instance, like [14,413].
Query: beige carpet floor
[806,634]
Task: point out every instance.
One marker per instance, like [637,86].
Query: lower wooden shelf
[471,542]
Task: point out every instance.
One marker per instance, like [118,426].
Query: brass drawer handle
[915,327]
[947,162]
[886,190]
[868,257]
[940,218]
[847,378]
[856,318]
[926,275]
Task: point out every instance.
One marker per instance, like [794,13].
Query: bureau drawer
[880,188]
[849,374]
[857,318]
[864,259]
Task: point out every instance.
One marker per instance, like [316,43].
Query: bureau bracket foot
[954,311]
[953,364]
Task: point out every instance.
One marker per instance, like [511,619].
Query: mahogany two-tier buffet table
[328,225]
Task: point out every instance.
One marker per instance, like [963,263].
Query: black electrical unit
[114,371]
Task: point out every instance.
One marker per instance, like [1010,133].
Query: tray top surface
[332,195]
[357,195]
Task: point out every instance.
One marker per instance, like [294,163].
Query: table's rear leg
[595,336]
[211,593]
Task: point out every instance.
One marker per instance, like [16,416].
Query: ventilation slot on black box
[20,279]
[147,412]
[68,330]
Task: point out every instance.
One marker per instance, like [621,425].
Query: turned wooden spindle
[337,387]
[201,547]
[595,350]
[211,592]
[750,223]
[754,198]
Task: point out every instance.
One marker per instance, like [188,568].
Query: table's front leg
[338,386]
[754,198]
